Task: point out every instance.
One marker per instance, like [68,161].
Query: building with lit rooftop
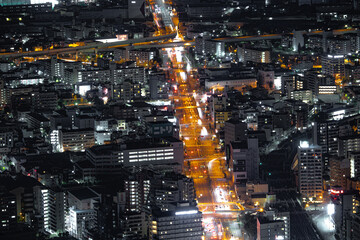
[183,223]
[310,171]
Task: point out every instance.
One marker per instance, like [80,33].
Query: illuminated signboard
[122,37]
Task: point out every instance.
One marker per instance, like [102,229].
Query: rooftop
[83,193]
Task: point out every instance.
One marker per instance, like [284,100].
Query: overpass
[153,42]
[95,45]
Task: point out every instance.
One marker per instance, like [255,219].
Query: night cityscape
[180,119]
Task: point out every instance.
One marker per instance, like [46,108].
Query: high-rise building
[326,135]
[50,205]
[310,171]
[333,65]
[8,214]
[354,158]
[338,46]
[339,171]
[349,144]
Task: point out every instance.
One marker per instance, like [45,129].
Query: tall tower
[310,171]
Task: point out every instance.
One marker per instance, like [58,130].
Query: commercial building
[310,171]
[157,152]
[184,222]
[230,83]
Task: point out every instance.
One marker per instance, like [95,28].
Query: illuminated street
[202,161]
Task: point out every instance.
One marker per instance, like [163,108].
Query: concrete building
[270,229]
[8,216]
[158,86]
[50,205]
[354,158]
[303,95]
[348,144]
[340,171]
[338,46]
[72,140]
[244,160]
[256,55]
[333,65]
[290,83]
[234,131]
[82,214]
[310,171]
[163,152]
[184,222]
[325,134]
[136,9]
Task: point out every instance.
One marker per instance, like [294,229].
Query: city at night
[179,119]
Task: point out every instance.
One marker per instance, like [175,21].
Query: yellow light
[8,19]
[20,19]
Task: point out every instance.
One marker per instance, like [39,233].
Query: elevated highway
[94,45]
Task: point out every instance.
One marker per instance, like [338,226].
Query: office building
[184,222]
[157,152]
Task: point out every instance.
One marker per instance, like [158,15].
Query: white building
[310,171]
[72,140]
[81,214]
[50,206]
